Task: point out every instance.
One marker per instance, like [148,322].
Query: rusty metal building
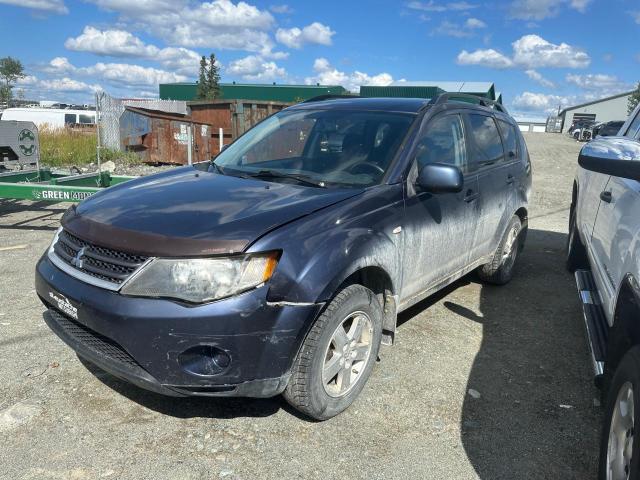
[161,137]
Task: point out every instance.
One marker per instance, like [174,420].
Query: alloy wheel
[621,433]
[347,354]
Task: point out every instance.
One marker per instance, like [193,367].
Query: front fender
[321,250]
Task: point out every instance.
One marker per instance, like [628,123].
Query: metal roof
[593,102]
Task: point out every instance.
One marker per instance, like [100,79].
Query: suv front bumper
[155,343]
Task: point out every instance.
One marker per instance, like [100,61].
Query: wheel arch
[379,281]
[625,331]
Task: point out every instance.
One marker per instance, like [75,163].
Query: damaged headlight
[200,280]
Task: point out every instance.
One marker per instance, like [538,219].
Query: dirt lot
[520,347]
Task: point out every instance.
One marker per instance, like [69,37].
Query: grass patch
[65,147]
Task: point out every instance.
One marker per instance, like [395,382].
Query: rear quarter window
[510,138]
[486,145]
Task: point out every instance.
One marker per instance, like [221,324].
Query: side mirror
[617,156]
[440,178]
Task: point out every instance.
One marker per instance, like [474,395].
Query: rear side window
[485,140]
[70,119]
[509,136]
[442,142]
[634,129]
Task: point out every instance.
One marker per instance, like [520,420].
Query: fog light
[204,360]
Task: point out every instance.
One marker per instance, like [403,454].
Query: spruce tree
[202,91]
[213,78]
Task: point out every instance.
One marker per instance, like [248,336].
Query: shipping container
[160,137]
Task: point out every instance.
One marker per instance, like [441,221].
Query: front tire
[500,270]
[338,355]
[619,449]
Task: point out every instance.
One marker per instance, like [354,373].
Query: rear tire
[576,256]
[337,356]
[500,270]
[619,449]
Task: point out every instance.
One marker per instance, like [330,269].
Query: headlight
[200,280]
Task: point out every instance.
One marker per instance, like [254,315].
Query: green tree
[213,78]
[634,99]
[202,79]
[11,69]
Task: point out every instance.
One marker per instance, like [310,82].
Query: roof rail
[453,97]
[329,96]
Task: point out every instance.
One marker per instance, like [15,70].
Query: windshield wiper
[293,176]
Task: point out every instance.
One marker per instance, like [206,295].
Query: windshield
[346,148]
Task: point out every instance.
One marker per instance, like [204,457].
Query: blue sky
[540,53]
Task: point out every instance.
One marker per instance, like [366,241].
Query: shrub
[66,147]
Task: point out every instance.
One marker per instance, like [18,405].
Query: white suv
[603,249]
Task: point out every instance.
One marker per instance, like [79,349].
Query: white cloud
[541,102]
[120,43]
[580,5]
[59,65]
[53,6]
[27,80]
[539,79]
[326,74]
[129,74]
[116,73]
[67,84]
[534,9]
[475,23]
[487,58]
[451,29]
[180,60]
[219,24]
[529,51]
[636,16]
[281,9]
[607,83]
[313,33]
[533,51]
[541,9]
[433,6]
[255,68]
[117,43]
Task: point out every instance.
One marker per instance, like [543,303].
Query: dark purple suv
[281,267]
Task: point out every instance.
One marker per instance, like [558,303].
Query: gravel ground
[484,382]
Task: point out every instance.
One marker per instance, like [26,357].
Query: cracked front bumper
[144,340]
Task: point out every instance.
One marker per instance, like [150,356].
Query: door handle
[606,196]
[510,179]
[470,196]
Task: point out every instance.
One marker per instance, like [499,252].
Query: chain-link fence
[109,109]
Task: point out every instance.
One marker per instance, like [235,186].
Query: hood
[187,212]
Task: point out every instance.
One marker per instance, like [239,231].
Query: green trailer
[41,184]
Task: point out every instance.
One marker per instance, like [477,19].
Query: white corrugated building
[603,110]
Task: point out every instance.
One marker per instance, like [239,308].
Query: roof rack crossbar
[452,97]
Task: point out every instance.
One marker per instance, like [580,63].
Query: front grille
[104,263]
[93,341]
